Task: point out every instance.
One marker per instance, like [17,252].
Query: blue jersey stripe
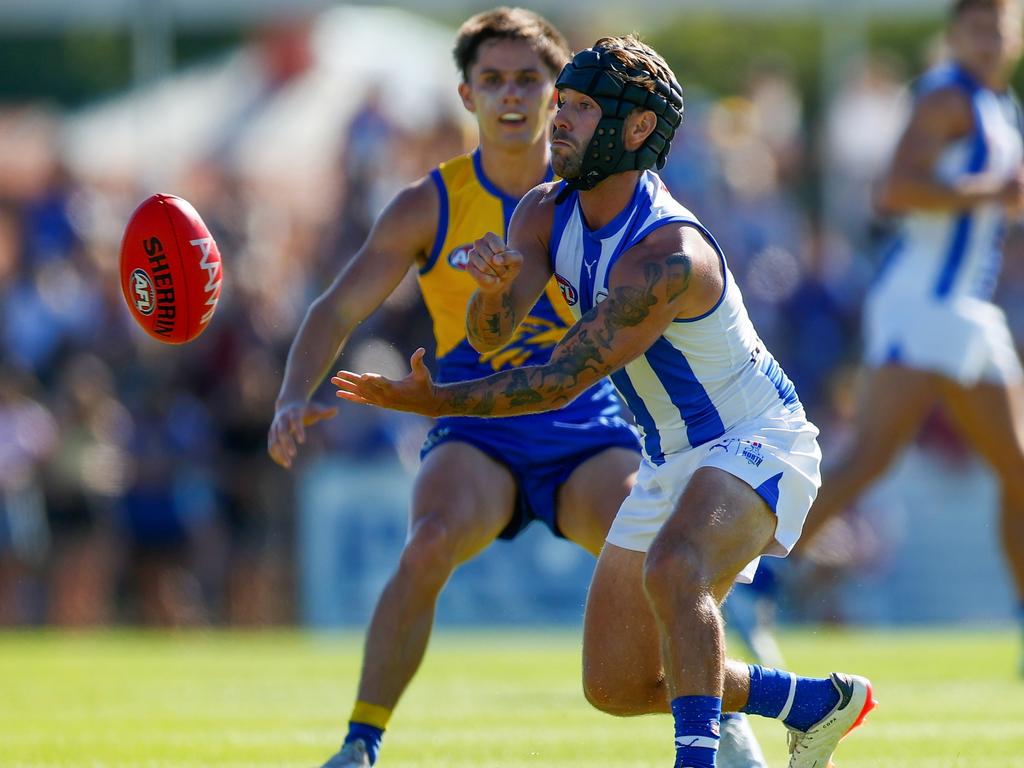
[652,438]
[442,221]
[558,223]
[673,370]
[954,256]
[962,229]
[787,392]
[588,269]
[889,257]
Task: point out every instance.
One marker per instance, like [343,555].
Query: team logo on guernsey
[459,257]
[568,292]
[748,449]
[752,453]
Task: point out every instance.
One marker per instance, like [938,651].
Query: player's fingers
[353,384]
[281,447]
[480,265]
[419,370]
[320,413]
[494,242]
[295,428]
[352,397]
[483,249]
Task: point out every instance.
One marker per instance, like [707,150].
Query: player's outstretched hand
[414,394]
[492,264]
[288,430]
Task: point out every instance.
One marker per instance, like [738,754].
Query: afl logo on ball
[568,292]
[459,258]
[142,292]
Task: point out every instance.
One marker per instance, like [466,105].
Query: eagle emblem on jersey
[532,334]
[568,292]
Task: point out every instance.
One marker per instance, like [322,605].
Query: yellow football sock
[370,714]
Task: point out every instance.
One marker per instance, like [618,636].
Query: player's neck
[608,199]
[515,172]
[993,80]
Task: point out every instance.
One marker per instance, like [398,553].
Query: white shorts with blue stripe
[778,456]
[962,338]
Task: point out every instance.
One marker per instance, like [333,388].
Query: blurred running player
[730,462]
[480,479]
[933,335]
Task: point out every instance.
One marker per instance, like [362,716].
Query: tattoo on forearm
[519,390]
[588,351]
[490,327]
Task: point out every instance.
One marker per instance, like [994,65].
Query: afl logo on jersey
[568,292]
[459,257]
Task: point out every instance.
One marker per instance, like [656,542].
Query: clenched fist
[492,264]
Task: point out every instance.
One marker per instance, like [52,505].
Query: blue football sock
[371,737]
[799,702]
[697,730]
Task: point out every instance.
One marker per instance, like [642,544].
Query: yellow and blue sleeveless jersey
[471,206]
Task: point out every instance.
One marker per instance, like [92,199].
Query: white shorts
[778,457]
[962,338]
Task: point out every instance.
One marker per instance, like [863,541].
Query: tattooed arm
[510,278]
[647,290]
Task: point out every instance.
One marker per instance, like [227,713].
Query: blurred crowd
[134,482]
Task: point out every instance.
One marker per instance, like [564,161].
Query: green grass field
[481,699]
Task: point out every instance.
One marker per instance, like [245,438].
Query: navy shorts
[539,450]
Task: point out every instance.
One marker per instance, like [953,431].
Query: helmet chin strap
[601,76]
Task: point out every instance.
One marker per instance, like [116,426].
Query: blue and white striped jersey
[943,255]
[704,375]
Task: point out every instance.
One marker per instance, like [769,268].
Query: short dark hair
[510,24]
[634,53]
[959,7]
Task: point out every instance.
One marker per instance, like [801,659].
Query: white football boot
[738,747]
[351,755]
[813,748]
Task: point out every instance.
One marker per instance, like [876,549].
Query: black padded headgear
[597,73]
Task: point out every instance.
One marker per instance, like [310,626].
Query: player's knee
[429,555]
[671,571]
[600,697]
[615,693]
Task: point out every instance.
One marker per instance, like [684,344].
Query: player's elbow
[483,345]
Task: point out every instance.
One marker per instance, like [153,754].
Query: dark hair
[634,53]
[510,24]
[960,6]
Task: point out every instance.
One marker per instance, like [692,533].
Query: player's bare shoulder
[945,112]
[687,261]
[535,213]
[542,199]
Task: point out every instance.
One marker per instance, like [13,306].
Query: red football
[170,269]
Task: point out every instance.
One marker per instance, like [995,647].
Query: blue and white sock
[370,735]
[799,702]
[697,730]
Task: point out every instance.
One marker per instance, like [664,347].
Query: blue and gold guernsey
[540,450]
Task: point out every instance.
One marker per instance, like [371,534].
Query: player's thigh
[462,499]
[719,525]
[590,498]
[620,636]
[991,417]
[893,402]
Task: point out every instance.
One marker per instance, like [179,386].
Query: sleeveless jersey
[943,255]
[704,375]
[471,206]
